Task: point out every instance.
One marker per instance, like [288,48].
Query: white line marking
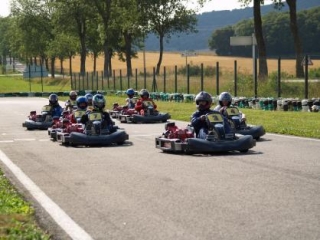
[291,136]
[61,218]
[6,141]
[24,139]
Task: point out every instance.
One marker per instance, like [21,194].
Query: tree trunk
[53,59]
[61,65]
[296,38]
[95,55]
[70,65]
[106,58]
[160,55]
[263,67]
[128,40]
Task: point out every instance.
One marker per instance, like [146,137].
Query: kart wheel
[120,143]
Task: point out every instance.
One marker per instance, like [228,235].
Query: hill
[208,22]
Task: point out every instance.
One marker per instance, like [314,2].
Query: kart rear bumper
[196,145]
[30,125]
[76,138]
[255,131]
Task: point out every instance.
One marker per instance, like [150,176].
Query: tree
[263,67]
[104,9]
[166,17]
[34,20]
[295,33]
[72,18]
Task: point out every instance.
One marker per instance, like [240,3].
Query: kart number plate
[78,114]
[46,108]
[215,117]
[95,116]
[147,103]
[232,111]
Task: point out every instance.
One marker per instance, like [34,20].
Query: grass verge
[17,220]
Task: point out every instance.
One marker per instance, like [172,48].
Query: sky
[214,5]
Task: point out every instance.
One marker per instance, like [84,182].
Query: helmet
[130,92]
[73,95]
[203,96]
[144,93]
[53,99]
[89,97]
[225,96]
[98,101]
[82,102]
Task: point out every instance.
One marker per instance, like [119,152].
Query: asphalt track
[137,192]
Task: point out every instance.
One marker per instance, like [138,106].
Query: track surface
[137,192]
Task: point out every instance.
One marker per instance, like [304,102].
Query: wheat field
[171,59]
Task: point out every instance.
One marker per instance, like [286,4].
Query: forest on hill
[208,22]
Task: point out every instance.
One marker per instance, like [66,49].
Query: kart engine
[172,131]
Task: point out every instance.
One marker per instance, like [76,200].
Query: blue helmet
[130,92]
[89,97]
[82,103]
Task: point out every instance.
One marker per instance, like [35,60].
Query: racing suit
[139,104]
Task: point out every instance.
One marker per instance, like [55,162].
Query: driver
[99,104]
[82,104]
[225,101]
[130,101]
[144,96]
[56,109]
[72,101]
[198,118]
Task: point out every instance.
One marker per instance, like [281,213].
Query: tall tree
[166,17]
[72,17]
[295,33]
[104,9]
[263,67]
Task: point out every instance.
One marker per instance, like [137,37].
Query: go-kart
[117,109]
[63,122]
[40,121]
[93,134]
[177,140]
[146,115]
[114,113]
[241,127]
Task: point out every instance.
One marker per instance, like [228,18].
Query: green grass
[17,220]
[19,84]
[303,124]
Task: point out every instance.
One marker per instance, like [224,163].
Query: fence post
[217,78]
[188,79]
[201,79]
[255,79]
[97,80]
[306,76]
[164,79]
[145,78]
[114,80]
[136,72]
[175,79]
[120,80]
[235,79]
[279,77]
